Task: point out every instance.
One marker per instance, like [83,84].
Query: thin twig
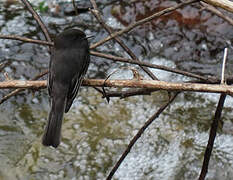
[213,130]
[217,12]
[95,12]
[131,26]
[121,59]
[214,125]
[38,19]
[24,39]
[225,4]
[138,135]
[224,66]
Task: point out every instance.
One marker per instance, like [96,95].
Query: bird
[68,64]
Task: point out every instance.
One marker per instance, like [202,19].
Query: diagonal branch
[217,12]
[140,63]
[37,18]
[95,12]
[131,26]
[225,4]
[213,131]
[138,135]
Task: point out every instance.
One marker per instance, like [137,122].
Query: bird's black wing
[76,83]
[50,79]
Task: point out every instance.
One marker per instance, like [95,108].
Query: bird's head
[69,37]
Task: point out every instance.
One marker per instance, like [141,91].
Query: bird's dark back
[70,54]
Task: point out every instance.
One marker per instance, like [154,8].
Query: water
[96,133]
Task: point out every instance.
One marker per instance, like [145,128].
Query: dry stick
[211,80]
[214,125]
[173,70]
[38,19]
[24,39]
[213,130]
[131,26]
[138,135]
[225,4]
[149,84]
[217,12]
[15,92]
[95,12]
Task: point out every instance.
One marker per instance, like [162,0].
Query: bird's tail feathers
[52,133]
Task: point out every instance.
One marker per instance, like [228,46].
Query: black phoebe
[69,62]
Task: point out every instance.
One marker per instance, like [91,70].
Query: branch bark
[225,4]
[149,84]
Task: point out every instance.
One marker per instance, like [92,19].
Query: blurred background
[96,133]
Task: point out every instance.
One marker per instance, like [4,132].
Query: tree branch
[138,135]
[131,26]
[150,84]
[38,19]
[213,131]
[96,13]
[225,4]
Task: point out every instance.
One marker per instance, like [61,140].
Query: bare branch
[225,4]
[213,131]
[24,39]
[121,59]
[37,18]
[217,12]
[138,135]
[96,13]
[150,84]
[131,26]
